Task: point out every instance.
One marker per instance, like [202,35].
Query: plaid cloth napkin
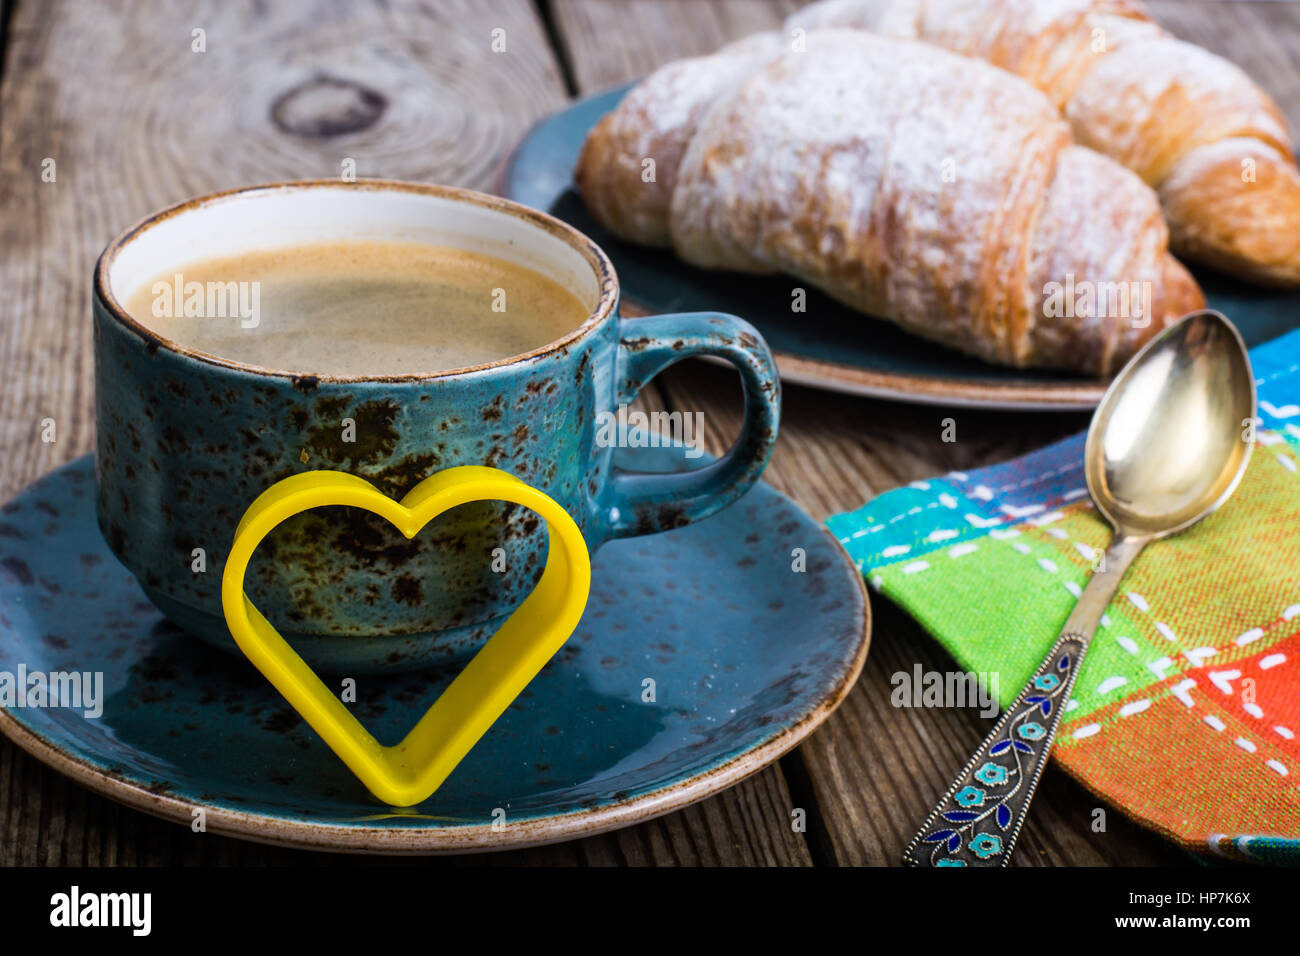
[1187,709]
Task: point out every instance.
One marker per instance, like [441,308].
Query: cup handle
[643,503]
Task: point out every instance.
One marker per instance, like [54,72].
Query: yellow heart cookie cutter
[409,772]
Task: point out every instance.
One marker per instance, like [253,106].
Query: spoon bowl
[1169,441]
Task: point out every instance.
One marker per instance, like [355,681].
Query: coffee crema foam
[358,307]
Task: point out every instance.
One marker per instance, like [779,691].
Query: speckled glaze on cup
[186,441]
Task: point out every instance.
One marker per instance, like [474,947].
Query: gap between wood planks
[546,13]
[6,12]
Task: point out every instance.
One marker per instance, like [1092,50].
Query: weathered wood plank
[608,43]
[47,820]
[134,118]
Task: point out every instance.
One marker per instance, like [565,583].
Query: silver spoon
[1166,447]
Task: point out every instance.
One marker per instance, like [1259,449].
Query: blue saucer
[747,656]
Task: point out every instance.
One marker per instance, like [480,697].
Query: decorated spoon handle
[977,821]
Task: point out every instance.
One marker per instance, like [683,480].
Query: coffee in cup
[357,307]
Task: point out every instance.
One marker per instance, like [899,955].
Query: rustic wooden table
[135,118]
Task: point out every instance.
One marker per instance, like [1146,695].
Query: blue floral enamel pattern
[977,823]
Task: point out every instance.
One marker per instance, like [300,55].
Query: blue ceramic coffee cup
[187,440]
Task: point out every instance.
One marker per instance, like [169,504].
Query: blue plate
[830,346]
[746,654]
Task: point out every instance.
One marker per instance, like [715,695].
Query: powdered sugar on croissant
[653,124]
[916,185]
[1169,110]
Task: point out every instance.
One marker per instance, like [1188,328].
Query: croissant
[1192,125]
[907,182]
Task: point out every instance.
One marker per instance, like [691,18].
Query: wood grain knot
[327,106]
